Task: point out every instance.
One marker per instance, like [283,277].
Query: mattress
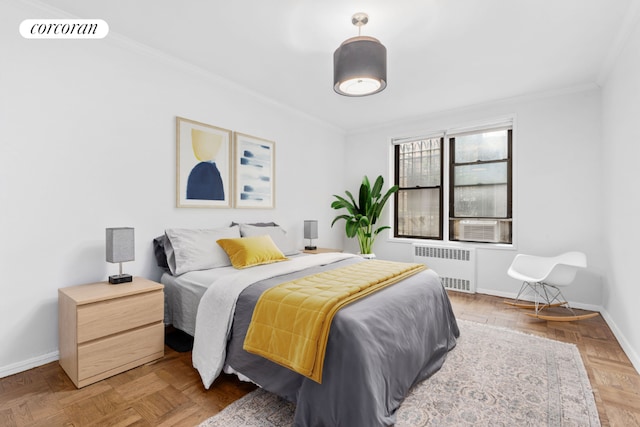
[183,294]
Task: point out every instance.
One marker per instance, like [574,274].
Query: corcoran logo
[64,29]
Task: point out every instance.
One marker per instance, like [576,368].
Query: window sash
[419,213]
[481,146]
[419,155]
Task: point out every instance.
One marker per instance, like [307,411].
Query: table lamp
[310,232]
[120,248]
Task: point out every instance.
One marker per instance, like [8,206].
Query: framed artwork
[254,167]
[203,165]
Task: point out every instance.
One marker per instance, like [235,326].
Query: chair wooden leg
[547,296]
[563,318]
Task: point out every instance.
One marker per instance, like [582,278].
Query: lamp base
[310,248]
[120,278]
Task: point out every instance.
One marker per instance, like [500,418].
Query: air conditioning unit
[477,230]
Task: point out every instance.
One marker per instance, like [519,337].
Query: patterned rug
[494,377]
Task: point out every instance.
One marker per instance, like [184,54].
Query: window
[478,187]
[418,207]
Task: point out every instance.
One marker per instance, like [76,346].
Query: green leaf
[353,201]
[365,196]
[385,227]
[377,187]
[345,217]
[343,203]
[351,228]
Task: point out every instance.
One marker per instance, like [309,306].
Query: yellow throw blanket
[291,321]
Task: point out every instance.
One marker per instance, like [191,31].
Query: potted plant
[361,216]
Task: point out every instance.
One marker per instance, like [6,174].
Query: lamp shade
[311,229]
[120,244]
[360,67]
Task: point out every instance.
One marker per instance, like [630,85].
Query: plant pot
[367,256]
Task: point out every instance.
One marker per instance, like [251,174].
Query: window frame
[451,184]
[441,187]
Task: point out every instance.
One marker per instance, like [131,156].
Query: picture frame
[203,165]
[254,169]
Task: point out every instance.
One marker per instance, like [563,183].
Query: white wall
[557,183]
[620,152]
[88,142]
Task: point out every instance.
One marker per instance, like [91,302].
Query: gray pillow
[277,234]
[196,249]
[256,224]
[159,250]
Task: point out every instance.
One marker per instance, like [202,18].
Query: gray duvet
[379,347]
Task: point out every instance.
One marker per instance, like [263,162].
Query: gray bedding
[379,347]
[183,294]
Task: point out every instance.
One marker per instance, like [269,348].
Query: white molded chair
[541,278]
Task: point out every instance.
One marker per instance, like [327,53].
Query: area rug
[494,377]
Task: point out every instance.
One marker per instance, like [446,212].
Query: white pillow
[196,249]
[277,234]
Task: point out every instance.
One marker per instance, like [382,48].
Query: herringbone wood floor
[169,392]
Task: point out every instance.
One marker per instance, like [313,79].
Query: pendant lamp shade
[360,67]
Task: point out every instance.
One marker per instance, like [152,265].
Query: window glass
[486,201]
[419,213]
[420,163]
[492,145]
[480,174]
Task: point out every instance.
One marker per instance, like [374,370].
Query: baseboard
[25,365]
[626,347]
[513,295]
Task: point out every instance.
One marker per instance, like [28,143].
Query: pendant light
[360,63]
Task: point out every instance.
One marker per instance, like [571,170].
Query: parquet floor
[168,392]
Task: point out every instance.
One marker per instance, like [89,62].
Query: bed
[377,349]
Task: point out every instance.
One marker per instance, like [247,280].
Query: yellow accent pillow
[249,251]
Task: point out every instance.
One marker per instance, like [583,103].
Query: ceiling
[442,54]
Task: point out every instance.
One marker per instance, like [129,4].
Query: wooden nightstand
[320,251]
[107,329]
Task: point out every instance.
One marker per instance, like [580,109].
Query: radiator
[455,266]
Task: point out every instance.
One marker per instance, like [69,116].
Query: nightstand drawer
[108,317]
[114,352]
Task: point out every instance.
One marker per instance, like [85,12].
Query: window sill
[455,243]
